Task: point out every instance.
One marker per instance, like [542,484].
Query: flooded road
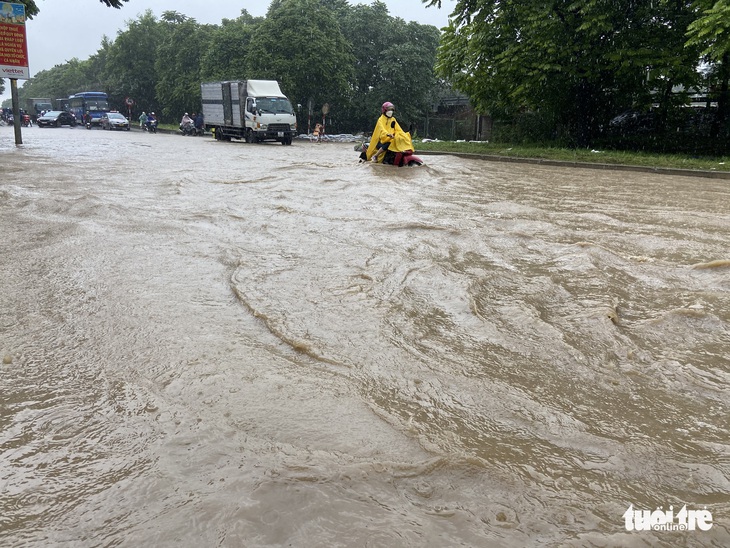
[224,344]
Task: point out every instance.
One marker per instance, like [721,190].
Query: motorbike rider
[385,130]
[199,122]
[87,118]
[151,120]
[142,119]
[186,124]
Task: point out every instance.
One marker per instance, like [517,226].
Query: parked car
[56,118]
[114,120]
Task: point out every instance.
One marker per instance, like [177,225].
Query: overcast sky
[65,29]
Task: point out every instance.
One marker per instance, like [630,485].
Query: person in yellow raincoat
[387,135]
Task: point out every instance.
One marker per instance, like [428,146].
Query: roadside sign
[13,43]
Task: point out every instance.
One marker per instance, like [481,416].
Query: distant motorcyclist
[186,125]
[142,119]
[199,123]
[151,123]
[385,131]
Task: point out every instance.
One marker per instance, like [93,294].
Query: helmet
[387,106]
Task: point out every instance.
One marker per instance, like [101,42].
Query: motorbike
[399,153]
[151,126]
[187,129]
[25,121]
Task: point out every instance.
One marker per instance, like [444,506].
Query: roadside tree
[225,57]
[130,61]
[177,65]
[711,33]
[300,45]
[576,64]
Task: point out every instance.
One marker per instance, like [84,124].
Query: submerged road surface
[222,344]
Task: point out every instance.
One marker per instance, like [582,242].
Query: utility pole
[16,110]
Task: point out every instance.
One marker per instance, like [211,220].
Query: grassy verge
[674,161]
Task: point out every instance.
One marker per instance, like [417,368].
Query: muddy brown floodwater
[224,344]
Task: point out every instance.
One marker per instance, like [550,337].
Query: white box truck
[254,110]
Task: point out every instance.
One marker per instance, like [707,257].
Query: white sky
[65,29]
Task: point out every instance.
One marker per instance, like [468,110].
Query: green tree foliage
[711,30]
[394,61]
[113,3]
[130,63]
[225,56]
[711,33]
[300,44]
[407,68]
[178,66]
[577,63]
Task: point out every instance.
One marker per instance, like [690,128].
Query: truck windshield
[274,105]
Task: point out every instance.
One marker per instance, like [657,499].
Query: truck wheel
[250,136]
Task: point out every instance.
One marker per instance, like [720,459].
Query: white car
[114,120]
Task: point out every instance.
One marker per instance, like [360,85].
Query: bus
[94,102]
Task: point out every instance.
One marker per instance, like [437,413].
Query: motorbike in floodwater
[398,159]
[187,129]
[399,152]
[25,121]
[151,126]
